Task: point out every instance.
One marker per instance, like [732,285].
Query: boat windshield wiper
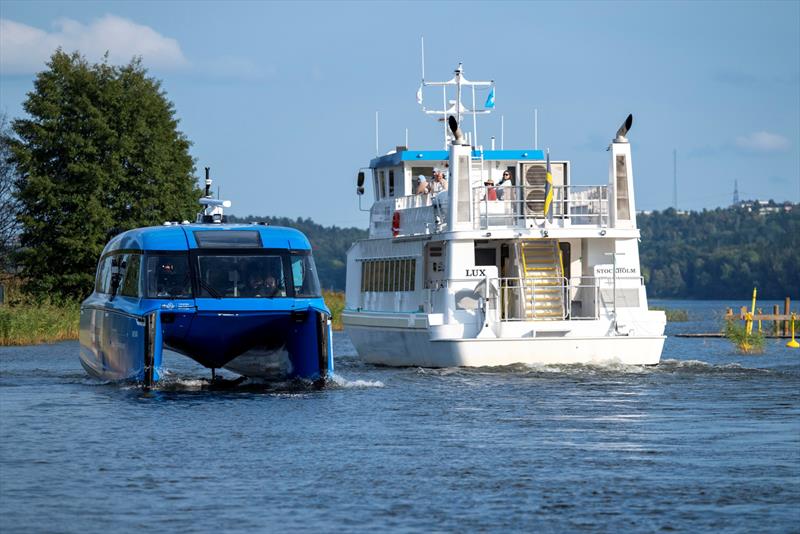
[213,292]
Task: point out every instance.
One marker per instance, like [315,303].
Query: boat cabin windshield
[231,274]
[304,274]
[241,276]
[168,276]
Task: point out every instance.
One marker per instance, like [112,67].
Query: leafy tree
[9,225]
[100,153]
[721,253]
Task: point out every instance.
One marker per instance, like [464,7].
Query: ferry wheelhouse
[241,297]
[536,270]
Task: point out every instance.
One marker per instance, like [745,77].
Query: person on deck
[423,188]
[491,192]
[500,189]
[439,182]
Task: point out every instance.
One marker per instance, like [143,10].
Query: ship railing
[417,214]
[520,299]
[522,206]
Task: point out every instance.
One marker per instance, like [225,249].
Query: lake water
[707,441]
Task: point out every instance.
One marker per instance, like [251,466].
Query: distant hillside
[721,254]
[330,244]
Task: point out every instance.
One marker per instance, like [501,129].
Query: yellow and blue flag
[548,190]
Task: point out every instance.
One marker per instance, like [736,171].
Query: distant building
[765,206]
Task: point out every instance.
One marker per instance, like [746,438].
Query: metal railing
[573,205]
[516,299]
[419,214]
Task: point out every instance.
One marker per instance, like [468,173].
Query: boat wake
[603,367]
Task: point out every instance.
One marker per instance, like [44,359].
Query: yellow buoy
[793,343]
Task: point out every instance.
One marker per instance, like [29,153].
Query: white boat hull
[413,347]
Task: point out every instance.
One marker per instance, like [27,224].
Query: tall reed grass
[335,302]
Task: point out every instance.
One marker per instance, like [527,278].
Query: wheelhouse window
[103,280]
[168,276]
[304,275]
[129,271]
[238,276]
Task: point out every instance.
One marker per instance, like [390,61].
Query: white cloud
[25,49]
[763,142]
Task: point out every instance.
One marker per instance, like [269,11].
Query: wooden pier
[781,322]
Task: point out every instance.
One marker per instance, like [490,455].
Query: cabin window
[103,281]
[382,181]
[168,276]
[129,284]
[228,239]
[388,275]
[241,276]
[304,276]
[391,183]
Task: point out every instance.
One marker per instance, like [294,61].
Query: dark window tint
[304,273]
[228,239]
[103,281]
[130,279]
[241,276]
[168,276]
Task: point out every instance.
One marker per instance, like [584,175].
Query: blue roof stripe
[390,160]
[181,237]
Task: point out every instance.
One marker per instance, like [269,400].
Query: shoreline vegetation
[26,322]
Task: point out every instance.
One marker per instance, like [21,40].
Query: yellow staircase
[542,280]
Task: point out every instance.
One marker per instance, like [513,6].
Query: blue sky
[280,98]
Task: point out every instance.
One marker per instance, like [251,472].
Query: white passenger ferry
[530,270]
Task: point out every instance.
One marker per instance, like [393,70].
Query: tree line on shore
[721,254]
[100,152]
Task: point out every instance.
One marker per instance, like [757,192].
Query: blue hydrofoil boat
[241,297]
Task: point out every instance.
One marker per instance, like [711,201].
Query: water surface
[707,441]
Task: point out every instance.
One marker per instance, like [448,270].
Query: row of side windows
[388,275]
[165,276]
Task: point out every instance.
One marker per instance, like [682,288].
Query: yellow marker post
[793,344]
[749,324]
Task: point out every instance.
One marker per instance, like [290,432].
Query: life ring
[396,224]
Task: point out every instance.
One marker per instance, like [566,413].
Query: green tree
[99,153]
[9,205]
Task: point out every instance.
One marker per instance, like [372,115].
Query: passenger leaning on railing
[423,188]
[491,192]
[439,182]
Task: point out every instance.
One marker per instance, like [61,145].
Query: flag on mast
[548,190]
[490,100]
[419,95]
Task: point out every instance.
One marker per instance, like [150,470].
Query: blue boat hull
[267,344]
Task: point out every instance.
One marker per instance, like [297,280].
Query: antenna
[406,137]
[502,132]
[422,42]
[377,152]
[675,179]
[208,181]
[736,192]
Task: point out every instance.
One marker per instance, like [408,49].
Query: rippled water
[707,441]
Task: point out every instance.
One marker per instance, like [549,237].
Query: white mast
[457,109]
